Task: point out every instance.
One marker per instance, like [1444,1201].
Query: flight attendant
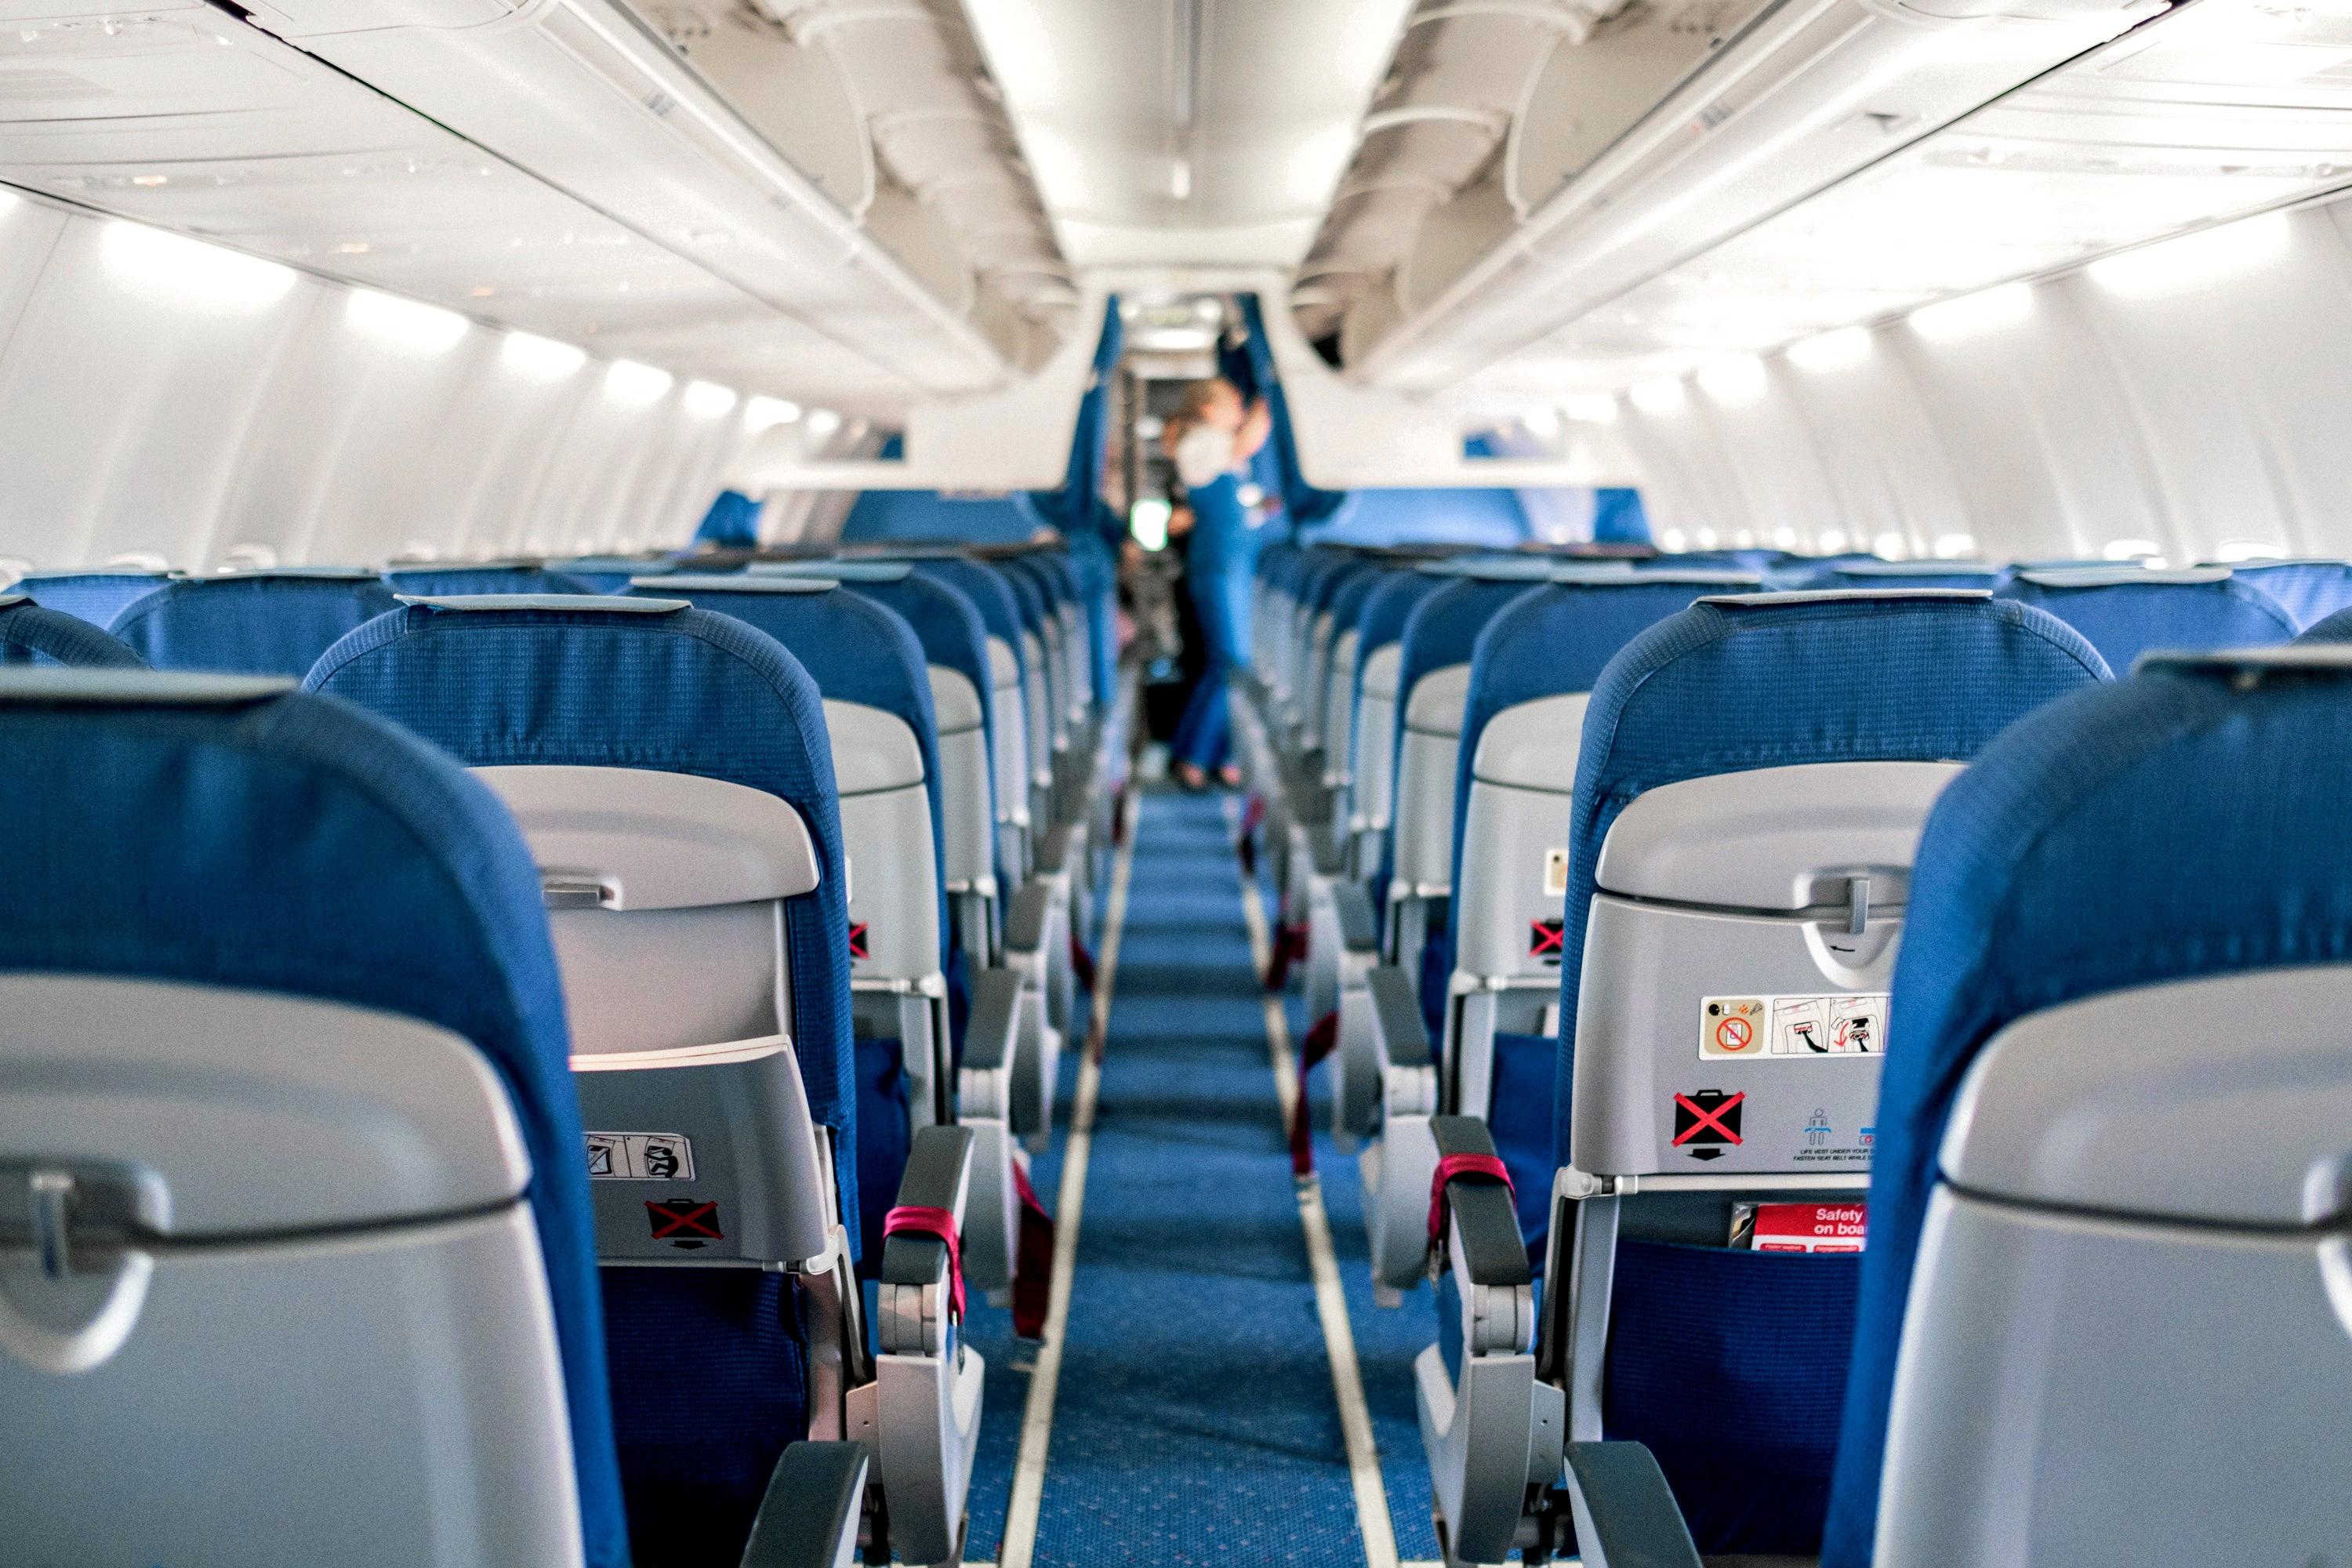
[1210,440]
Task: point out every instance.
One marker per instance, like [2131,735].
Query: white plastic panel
[656,840]
[872,750]
[1534,745]
[1760,839]
[2218,1101]
[251,1112]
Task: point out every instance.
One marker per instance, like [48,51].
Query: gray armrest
[1054,849]
[1024,920]
[994,1025]
[1485,1224]
[1359,932]
[1396,1013]
[809,1517]
[935,1179]
[1626,1516]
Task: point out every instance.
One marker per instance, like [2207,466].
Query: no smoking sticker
[1791,1028]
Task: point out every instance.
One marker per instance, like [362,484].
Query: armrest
[809,1517]
[919,1273]
[1359,930]
[1486,1246]
[1054,849]
[1626,1516]
[1025,920]
[1396,1013]
[990,1033]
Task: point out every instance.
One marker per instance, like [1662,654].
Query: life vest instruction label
[1781,1027]
[640,1157]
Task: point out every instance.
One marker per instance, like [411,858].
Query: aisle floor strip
[1330,1303]
[1020,1543]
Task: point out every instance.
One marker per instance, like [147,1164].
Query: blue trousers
[1221,596]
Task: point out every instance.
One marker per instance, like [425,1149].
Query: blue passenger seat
[32,634]
[369,1331]
[252,623]
[2102,1317]
[1750,784]
[2126,611]
[2308,591]
[96,595]
[673,771]
[448,579]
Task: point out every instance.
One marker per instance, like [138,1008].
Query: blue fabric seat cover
[1727,685]
[34,634]
[2035,885]
[156,840]
[257,623]
[457,578]
[2308,591]
[2125,612]
[97,595]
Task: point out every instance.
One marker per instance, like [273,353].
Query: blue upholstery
[991,595]
[283,842]
[257,623]
[944,619]
[1889,575]
[96,596]
[853,650]
[1493,517]
[2308,591]
[31,634]
[1387,607]
[679,691]
[1727,685]
[611,573]
[896,515]
[2336,628]
[489,577]
[2125,612]
[2036,885]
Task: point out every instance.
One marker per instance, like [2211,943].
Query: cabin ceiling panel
[2207,113]
[1178,133]
[185,117]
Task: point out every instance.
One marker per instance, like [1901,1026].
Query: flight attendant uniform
[1219,558]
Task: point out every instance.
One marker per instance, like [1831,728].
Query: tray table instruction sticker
[1791,1028]
[640,1157]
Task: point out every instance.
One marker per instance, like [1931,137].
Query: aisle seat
[449,579]
[1751,780]
[672,771]
[275,621]
[2125,612]
[32,634]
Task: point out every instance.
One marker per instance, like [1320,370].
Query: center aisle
[1195,1421]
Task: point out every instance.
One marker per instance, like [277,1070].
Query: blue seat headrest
[455,579]
[96,595]
[990,594]
[1779,679]
[261,623]
[2126,611]
[943,516]
[2308,591]
[234,831]
[32,634]
[2105,842]
[599,681]
[1387,607]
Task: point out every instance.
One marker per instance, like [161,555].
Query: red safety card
[1809,1227]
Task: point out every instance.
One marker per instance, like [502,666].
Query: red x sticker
[1705,1121]
[1547,939]
[684,1222]
[858,941]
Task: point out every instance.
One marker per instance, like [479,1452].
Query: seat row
[1610,875]
[312,1190]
